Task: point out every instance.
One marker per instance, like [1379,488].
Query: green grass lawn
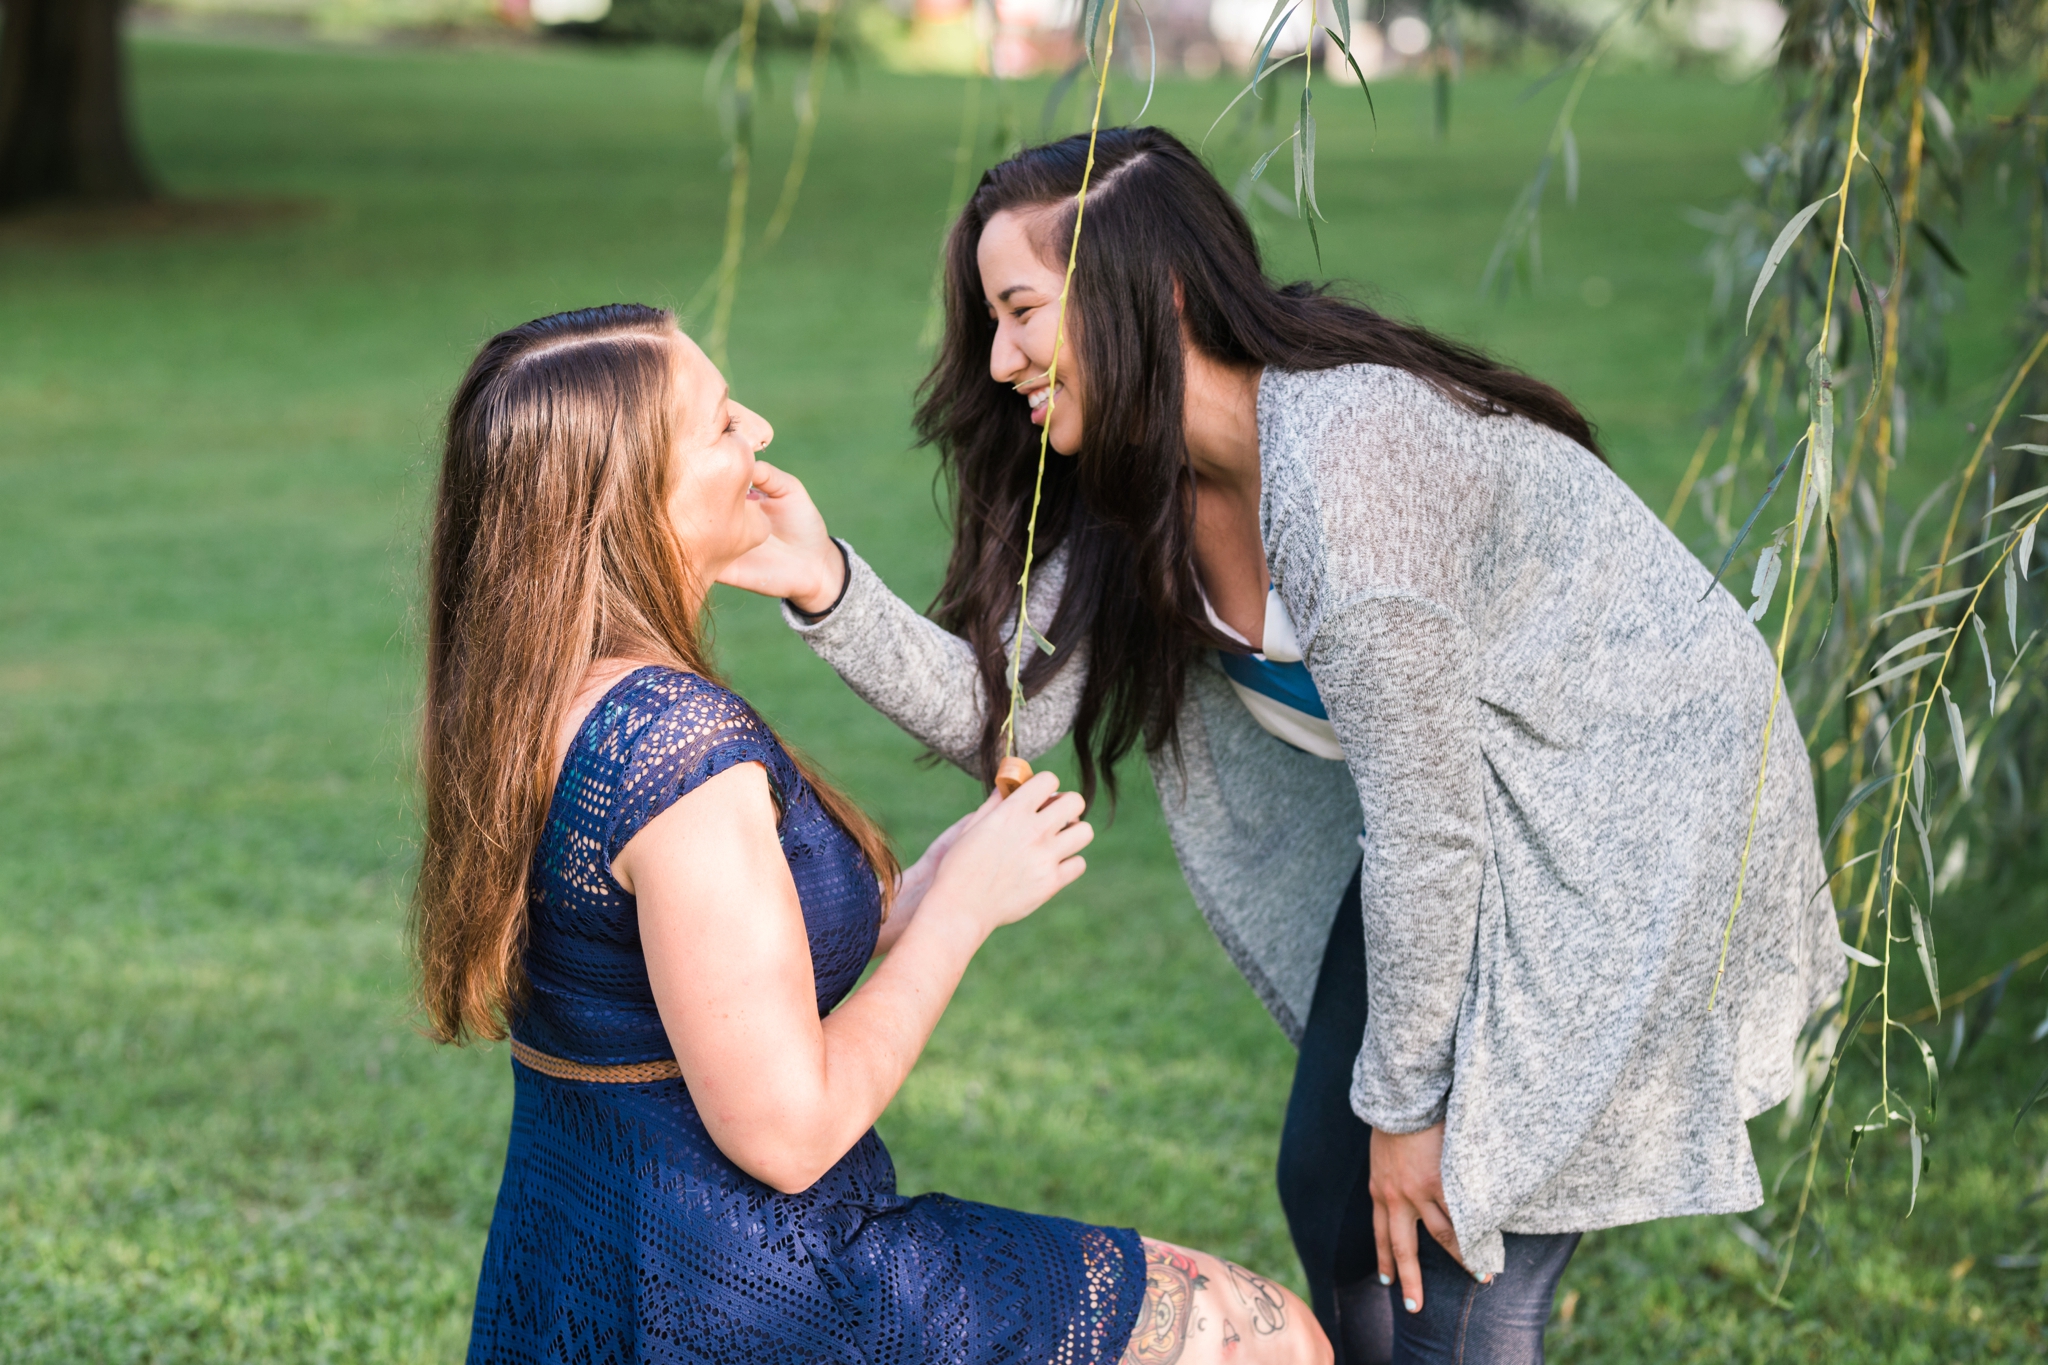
[221,1138]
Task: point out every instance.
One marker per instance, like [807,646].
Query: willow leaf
[1571,166]
[1827,624]
[1858,955]
[1308,151]
[1933,1071]
[1770,491]
[2024,498]
[1924,946]
[1091,19]
[1920,828]
[2012,604]
[1152,47]
[1913,522]
[1820,451]
[1848,1036]
[1898,228]
[1764,585]
[1859,858]
[1234,99]
[2040,1089]
[1857,798]
[1951,595]
[1866,299]
[1913,1195]
[1910,666]
[1990,674]
[1955,734]
[1344,46]
[1259,166]
[1932,236]
[1919,637]
[1276,24]
[1920,788]
[2025,553]
[1777,254]
[1990,543]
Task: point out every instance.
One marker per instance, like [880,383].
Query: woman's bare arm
[782,1092]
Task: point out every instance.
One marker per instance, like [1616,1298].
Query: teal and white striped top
[1274,684]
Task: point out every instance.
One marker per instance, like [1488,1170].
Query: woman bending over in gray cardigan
[1442,718]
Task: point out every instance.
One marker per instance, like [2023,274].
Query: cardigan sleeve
[1404,710]
[1389,519]
[923,677]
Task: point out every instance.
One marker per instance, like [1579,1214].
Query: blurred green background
[221,1138]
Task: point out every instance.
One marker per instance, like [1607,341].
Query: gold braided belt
[635,1073]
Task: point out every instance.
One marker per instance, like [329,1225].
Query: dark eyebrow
[1004,297]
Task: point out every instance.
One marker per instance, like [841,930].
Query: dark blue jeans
[1324,1158]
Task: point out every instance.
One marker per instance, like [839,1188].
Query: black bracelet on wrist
[845,582]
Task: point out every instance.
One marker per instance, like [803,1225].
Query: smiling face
[712,503]
[1023,292]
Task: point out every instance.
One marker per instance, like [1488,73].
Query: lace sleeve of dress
[681,731]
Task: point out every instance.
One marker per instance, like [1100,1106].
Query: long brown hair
[1123,510]
[551,549]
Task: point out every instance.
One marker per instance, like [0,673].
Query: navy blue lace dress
[623,1234]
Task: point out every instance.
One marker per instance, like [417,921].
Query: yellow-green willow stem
[806,127]
[736,200]
[1908,208]
[1052,379]
[1895,812]
[1800,523]
[1882,398]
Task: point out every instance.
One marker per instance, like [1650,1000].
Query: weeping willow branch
[806,127]
[1025,630]
[1521,228]
[1815,493]
[728,276]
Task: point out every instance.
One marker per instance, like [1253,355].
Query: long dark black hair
[1123,510]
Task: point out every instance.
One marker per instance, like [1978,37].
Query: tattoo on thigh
[1171,1280]
[1268,1311]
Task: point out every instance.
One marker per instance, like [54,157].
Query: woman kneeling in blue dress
[667,912]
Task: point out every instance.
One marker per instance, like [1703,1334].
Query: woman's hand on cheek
[1407,1188]
[798,559]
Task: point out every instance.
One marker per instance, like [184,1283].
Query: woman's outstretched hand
[917,879]
[798,560]
[1014,854]
[1407,1188]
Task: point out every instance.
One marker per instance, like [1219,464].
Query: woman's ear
[1180,298]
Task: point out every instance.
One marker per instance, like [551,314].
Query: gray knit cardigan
[1551,727]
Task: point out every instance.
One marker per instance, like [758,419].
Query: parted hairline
[1047,217]
[557,345]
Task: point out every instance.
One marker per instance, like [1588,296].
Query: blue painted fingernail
[1386,1279]
[1412,1305]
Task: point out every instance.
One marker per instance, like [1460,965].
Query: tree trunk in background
[64,107]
